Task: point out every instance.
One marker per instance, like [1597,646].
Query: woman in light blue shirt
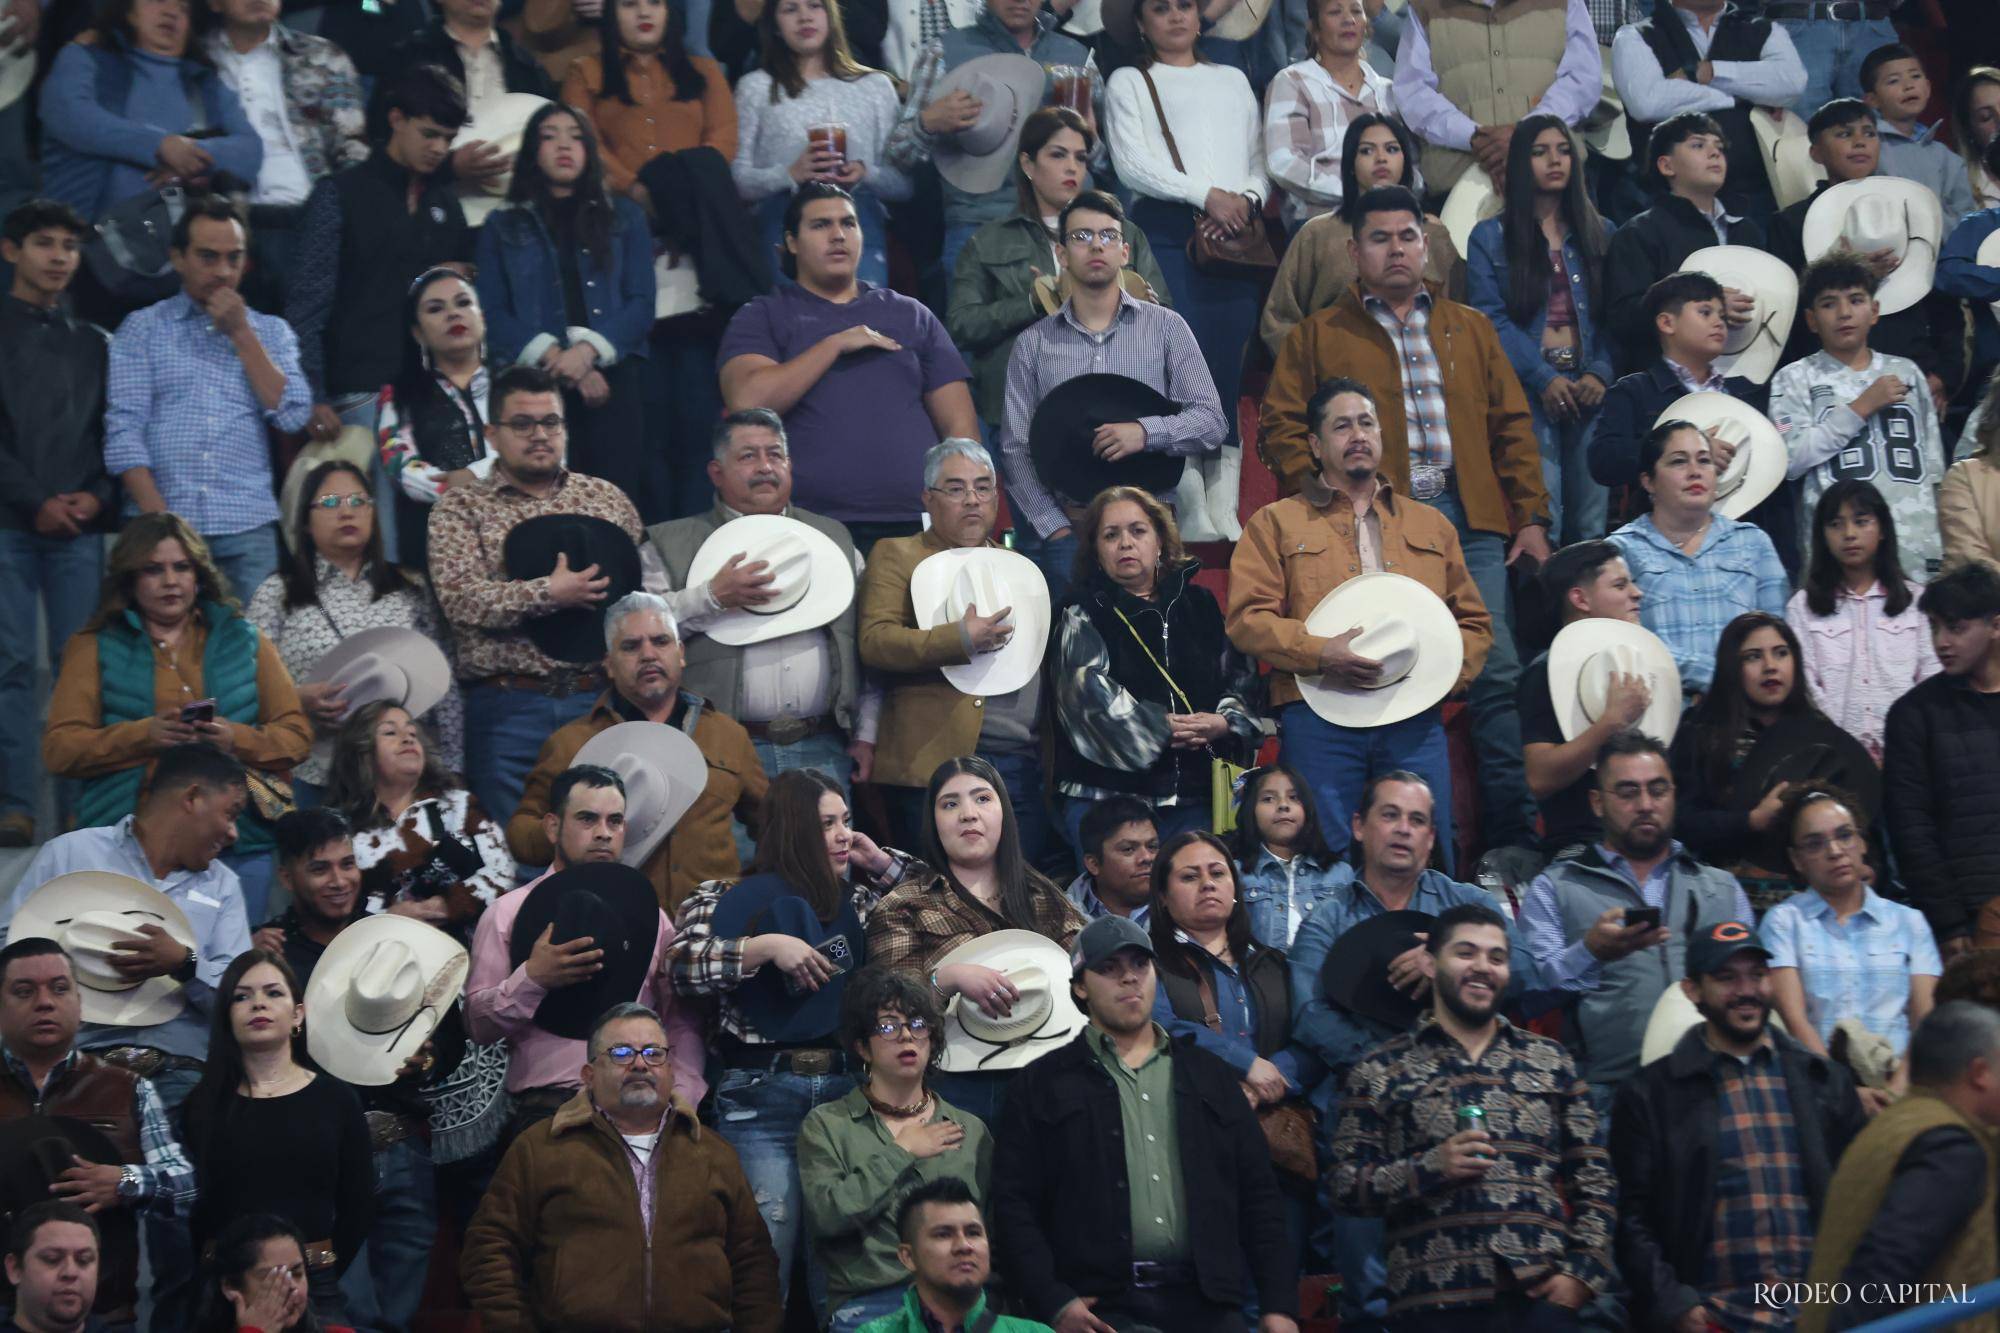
[1284,865]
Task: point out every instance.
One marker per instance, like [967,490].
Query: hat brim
[1020,660]
[666,750]
[503,125]
[372,1059]
[151,1002]
[1025,81]
[1582,640]
[1765,463]
[1471,201]
[1775,284]
[829,587]
[422,662]
[1068,416]
[629,895]
[1006,951]
[1359,603]
[1911,281]
[575,634]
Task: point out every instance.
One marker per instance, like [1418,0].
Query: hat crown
[1393,643]
[1030,1011]
[91,939]
[999,109]
[979,588]
[1876,222]
[387,989]
[1594,680]
[789,563]
[373,676]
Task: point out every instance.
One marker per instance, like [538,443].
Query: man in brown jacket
[643,659]
[621,1211]
[1348,521]
[1459,438]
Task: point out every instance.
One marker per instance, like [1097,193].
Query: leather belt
[1162,1275]
[558,684]
[808,1061]
[145,1061]
[388,1128]
[792,730]
[1848,11]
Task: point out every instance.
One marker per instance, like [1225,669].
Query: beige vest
[1493,64]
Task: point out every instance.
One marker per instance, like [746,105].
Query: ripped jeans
[759,1112]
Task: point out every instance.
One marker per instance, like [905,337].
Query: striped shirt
[1763,1221]
[1423,379]
[1306,114]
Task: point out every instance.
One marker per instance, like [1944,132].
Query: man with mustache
[1530,1249]
[1725,1148]
[591,1221]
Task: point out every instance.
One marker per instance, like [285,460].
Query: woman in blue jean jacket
[566,281]
[1543,311]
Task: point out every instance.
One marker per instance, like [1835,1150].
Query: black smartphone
[836,950]
[198,712]
[1648,917]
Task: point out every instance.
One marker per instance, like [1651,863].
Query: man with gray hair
[925,718]
[644,661]
[1912,1201]
[799,695]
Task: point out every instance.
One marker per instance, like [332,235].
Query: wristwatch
[185,972]
[128,1183]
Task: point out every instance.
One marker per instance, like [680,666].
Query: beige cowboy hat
[354,444]
[1043,1018]
[1605,129]
[376,995]
[812,577]
[17,62]
[1881,213]
[980,158]
[1471,201]
[944,586]
[1404,626]
[88,912]
[1787,153]
[1754,347]
[501,123]
[664,773]
[1758,466]
[1242,21]
[392,662]
[1582,659]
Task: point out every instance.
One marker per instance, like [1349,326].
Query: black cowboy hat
[1808,752]
[34,1152]
[769,905]
[1059,438]
[575,633]
[615,906]
[1355,975]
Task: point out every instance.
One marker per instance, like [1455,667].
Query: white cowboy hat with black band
[1582,660]
[1757,468]
[944,586]
[979,159]
[503,123]
[1786,150]
[1881,213]
[1754,347]
[1043,1018]
[391,662]
[1404,626]
[664,774]
[376,995]
[89,912]
[812,579]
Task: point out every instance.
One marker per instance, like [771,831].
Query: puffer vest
[1492,62]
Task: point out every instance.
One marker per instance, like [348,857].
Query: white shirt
[258,78]
[485,79]
[1217,127]
[1775,78]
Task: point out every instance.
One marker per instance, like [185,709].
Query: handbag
[1249,251]
[1222,774]
[1291,1129]
[270,796]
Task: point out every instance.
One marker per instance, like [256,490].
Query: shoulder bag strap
[1173,150]
[1211,1012]
[1182,694]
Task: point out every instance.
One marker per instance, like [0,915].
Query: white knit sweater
[1216,126]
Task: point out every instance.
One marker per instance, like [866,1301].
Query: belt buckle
[1427,481]
[319,1254]
[813,1063]
[787,730]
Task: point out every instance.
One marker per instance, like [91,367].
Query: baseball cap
[1104,937]
[1712,946]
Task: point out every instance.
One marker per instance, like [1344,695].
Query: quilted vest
[1493,63]
[1736,38]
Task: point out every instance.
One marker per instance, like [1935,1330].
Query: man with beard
[52,1260]
[1724,1149]
[1617,966]
[945,1247]
[622,1211]
[1526,1252]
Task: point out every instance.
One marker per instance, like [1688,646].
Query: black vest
[1737,37]
[1266,979]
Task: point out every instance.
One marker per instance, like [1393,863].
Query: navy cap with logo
[1712,946]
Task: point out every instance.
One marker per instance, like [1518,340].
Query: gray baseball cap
[1106,936]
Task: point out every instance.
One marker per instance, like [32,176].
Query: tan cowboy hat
[354,444]
[1052,289]
[88,912]
[1787,154]
[1471,202]
[1404,626]
[501,123]
[1242,21]
[1043,1018]
[664,773]
[392,662]
[980,158]
[1881,213]
[812,577]
[17,62]
[944,586]
[1754,347]
[1758,466]
[376,995]
[1582,659]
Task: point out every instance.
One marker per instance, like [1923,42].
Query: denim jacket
[1486,284]
[520,286]
[1273,889]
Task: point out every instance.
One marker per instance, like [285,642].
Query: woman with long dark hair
[566,280]
[430,425]
[1863,642]
[1284,866]
[1536,271]
[646,94]
[269,1134]
[256,1278]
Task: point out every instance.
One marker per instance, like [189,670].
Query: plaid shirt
[1423,380]
[1546,1206]
[1763,1222]
[927,916]
[699,962]
[1689,598]
[1305,125]
[166,1180]
[1608,16]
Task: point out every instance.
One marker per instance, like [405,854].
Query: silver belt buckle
[1427,481]
[787,730]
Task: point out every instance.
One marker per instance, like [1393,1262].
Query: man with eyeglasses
[1101,329]
[516,696]
[622,1211]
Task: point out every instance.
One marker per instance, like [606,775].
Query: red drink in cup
[830,137]
[1072,87]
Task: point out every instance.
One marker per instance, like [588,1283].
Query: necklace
[280,1087]
[916,1108]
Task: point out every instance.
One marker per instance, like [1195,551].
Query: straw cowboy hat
[1881,213]
[664,775]
[1582,659]
[88,912]
[501,124]
[1758,466]
[812,579]
[393,662]
[980,158]
[1471,202]
[1044,1017]
[1753,348]
[1404,626]
[376,995]
[1787,153]
[944,586]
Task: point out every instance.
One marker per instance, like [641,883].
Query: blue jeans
[956,234]
[874,264]
[683,403]
[1171,820]
[167,1301]
[1337,763]
[1054,556]
[1832,51]
[245,558]
[17,165]
[825,752]
[1021,770]
[1507,810]
[1220,309]
[1578,505]
[504,731]
[254,870]
[975,1093]
[863,1306]
[758,1112]
[384,1284]
[58,577]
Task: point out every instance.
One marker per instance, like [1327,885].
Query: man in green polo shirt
[944,1246]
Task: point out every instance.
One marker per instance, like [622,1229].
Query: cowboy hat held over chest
[378,993]
[500,123]
[1881,213]
[1043,1018]
[573,634]
[1065,424]
[1586,654]
[1756,469]
[946,585]
[812,582]
[394,662]
[89,912]
[615,906]
[1355,975]
[1754,347]
[980,158]
[664,773]
[1404,626]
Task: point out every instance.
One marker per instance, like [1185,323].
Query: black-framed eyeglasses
[548,425]
[623,1055]
[956,491]
[337,501]
[910,1027]
[1110,236]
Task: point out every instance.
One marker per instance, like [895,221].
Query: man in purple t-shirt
[866,379]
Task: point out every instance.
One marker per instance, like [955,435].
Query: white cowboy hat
[354,444]
[1758,466]
[664,774]
[1786,150]
[1605,129]
[980,158]
[1582,659]
[1881,213]
[985,578]
[1989,255]
[1471,202]
[1754,347]
[1404,626]
[17,62]
[812,577]
[377,994]
[88,912]
[1043,1018]
[501,123]
[392,662]
[1673,1014]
